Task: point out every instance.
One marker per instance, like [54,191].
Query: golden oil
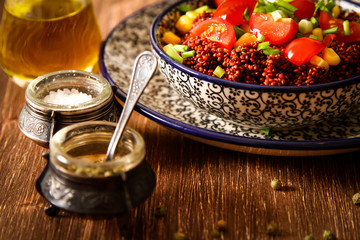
[42,36]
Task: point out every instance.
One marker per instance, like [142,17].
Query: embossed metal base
[107,195]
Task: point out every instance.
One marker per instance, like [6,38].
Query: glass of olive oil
[42,36]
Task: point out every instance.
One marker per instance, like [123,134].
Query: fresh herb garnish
[322,6]
[266,6]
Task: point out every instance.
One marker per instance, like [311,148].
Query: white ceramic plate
[163,105]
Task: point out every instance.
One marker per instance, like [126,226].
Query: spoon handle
[144,68]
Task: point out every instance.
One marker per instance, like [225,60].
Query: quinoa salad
[274,43]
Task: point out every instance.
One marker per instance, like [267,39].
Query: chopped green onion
[271,51]
[286,5]
[330,5]
[270,8]
[219,72]
[188,54]
[278,14]
[260,37]
[330,31]
[313,36]
[184,7]
[305,26]
[172,53]
[238,32]
[266,131]
[358,21]
[346,26]
[321,6]
[263,45]
[201,9]
[314,22]
[180,48]
[246,14]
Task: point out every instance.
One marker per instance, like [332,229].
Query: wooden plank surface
[199,184]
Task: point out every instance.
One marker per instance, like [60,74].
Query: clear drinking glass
[43,36]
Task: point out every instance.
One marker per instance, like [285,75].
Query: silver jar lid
[40,119]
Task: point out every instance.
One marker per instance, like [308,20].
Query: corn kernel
[184,24]
[318,61]
[191,14]
[336,11]
[170,37]
[318,32]
[331,57]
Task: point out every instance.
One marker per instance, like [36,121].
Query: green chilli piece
[188,54]
[201,9]
[313,36]
[238,32]
[246,15]
[180,48]
[346,26]
[330,31]
[261,37]
[219,72]
[172,53]
[263,45]
[271,51]
[184,7]
[314,22]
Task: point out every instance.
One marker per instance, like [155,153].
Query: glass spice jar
[77,177]
[40,119]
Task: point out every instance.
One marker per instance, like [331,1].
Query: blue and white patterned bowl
[249,104]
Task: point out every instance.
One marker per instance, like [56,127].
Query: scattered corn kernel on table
[198,184]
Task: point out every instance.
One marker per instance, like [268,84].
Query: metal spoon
[143,70]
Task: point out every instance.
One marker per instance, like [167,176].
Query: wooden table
[199,184]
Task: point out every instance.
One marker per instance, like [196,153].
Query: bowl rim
[236,85]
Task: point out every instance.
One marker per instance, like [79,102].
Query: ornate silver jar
[39,119]
[78,179]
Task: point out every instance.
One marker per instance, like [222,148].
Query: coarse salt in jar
[58,99]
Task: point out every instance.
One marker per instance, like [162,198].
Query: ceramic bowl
[249,104]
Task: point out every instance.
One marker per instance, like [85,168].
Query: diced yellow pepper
[191,14]
[318,32]
[336,11]
[184,24]
[245,38]
[319,61]
[170,37]
[331,57]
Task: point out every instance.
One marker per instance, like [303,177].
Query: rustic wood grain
[199,184]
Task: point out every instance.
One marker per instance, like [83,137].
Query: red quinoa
[248,65]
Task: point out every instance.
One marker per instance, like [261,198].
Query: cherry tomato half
[276,32]
[326,22]
[217,30]
[301,50]
[233,10]
[218,2]
[305,9]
